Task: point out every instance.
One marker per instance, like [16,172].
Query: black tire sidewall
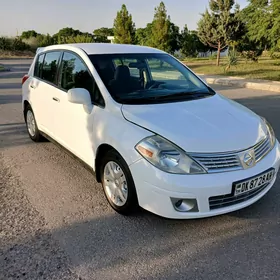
[131,204]
[37,136]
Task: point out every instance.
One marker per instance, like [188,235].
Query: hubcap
[30,121]
[115,183]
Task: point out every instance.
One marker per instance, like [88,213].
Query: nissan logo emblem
[248,159]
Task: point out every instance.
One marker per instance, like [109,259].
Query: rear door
[43,87]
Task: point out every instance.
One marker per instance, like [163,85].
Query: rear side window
[49,69]
[39,66]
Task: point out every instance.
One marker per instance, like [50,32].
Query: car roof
[102,48]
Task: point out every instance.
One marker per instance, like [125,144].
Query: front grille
[222,162]
[219,163]
[216,202]
[262,148]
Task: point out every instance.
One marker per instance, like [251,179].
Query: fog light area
[184,205]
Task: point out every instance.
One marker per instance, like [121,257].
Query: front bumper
[156,189]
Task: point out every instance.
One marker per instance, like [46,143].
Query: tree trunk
[218,54]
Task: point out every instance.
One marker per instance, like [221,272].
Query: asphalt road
[56,224]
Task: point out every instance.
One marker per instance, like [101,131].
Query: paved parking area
[56,224]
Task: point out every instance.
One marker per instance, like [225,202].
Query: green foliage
[213,56]
[262,19]
[5,43]
[232,59]
[29,34]
[174,37]
[249,49]
[160,35]
[13,44]
[275,55]
[220,26]
[102,33]
[64,34]
[80,39]
[124,27]
[190,43]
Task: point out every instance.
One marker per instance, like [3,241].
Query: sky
[48,16]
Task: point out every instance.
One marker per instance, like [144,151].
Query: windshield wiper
[186,95]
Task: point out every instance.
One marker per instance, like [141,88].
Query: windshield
[148,78]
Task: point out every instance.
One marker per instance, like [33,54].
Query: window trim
[95,84]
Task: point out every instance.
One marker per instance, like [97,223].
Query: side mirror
[79,96]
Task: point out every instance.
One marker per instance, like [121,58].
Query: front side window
[148,78]
[49,69]
[74,74]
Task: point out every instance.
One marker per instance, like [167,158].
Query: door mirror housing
[79,96]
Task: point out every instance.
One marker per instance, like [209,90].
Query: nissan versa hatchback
[153,132]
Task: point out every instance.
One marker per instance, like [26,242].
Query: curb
[241,82]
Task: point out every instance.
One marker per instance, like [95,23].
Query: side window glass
[74,74]
[39,66]
[50,67]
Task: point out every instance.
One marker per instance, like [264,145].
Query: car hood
[212,124]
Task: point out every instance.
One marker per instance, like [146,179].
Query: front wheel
[118,184]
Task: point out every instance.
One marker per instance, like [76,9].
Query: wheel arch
[100,152]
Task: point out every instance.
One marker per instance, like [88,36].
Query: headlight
[271,133]
[167,157]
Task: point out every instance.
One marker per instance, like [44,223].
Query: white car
[152,131]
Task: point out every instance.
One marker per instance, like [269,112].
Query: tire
[32,129]
[123,185]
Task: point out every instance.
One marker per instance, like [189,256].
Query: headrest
[122,73]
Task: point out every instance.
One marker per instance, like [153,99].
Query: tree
[124,27]
[190,43]
[142,35]
[63,35]
[174,37]
[83,38]
[220,26]
[102,33]
[262,18]
[28,34]
[160,35]
[45,40]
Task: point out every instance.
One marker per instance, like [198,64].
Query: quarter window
[50,67]
[39,66]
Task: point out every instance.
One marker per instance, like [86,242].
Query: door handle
[32,86]
[56,99]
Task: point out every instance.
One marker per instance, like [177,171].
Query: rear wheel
[118,184]
[31,125]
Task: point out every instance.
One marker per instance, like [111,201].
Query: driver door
[74,128]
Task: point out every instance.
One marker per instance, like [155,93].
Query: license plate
[253,183]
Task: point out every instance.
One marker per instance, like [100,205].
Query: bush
[213,56]
[275,55]
[251,55]
[32,42]
[232,59]
[19,45]
[13,44]
[5,44]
